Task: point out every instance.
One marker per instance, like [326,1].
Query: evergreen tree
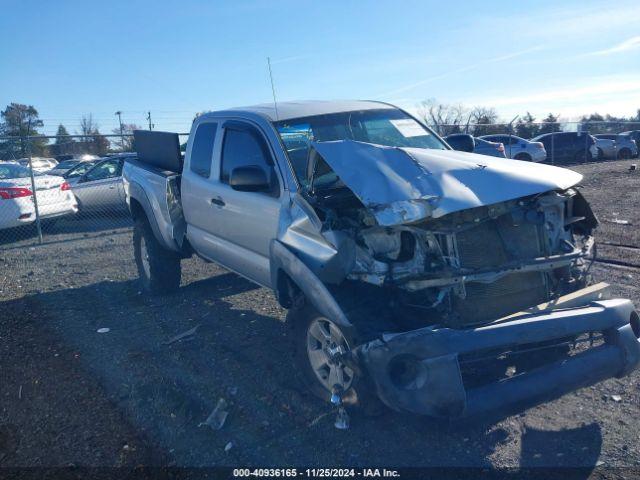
[549,124]
[62,135]
[526,127]
[21,121]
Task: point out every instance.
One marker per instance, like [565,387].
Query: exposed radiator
[491,245]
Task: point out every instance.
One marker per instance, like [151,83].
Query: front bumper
[435,385]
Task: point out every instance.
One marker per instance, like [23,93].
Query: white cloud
[564,24]
[456,71]
[629,44]
[617,95]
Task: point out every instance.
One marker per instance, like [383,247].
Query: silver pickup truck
[446,283]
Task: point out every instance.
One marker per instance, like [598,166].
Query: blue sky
[69,58]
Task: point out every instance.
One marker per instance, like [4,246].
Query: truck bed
[157,192]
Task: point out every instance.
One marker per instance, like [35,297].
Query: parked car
[624,146]
[633,135]
[519,148]
[406,266]
[17,207]
[568,147]
[39,164]
[606,148]
[100,189]
[65,165]
[463,142]
[74,173]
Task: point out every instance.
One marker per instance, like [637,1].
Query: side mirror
[463,143]
[249,179]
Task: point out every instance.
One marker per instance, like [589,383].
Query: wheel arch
[290,277]
[140,209]
[623,150]
[524,156]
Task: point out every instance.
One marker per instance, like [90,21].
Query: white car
[624,146]
[606,148]
[519,148]
[39,164]
[17,207]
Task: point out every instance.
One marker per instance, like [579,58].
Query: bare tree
[126,142]
[444,118]
[484,121]
[87,125]
[94,142]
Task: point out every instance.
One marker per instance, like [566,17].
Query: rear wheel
[158,268]
[624,154]
[525,157]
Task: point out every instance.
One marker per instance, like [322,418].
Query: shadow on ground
[63,229]
[241,352]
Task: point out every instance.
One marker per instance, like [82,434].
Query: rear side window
[202,149]
[243,148]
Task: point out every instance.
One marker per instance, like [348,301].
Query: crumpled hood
[405,185]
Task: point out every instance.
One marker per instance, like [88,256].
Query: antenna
[273,89]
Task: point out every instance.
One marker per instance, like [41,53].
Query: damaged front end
[431,253]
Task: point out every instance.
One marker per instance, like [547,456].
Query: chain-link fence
[51,192]
[68,190]
[558,143]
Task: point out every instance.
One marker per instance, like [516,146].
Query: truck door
[196,188]
[241,224]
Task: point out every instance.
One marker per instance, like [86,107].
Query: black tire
[525,157]
[624,154]
[163,273]
[300,319]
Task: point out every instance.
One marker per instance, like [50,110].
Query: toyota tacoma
[446,283]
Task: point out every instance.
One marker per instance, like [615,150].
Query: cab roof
[309,108]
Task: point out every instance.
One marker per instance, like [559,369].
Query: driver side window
[244,148]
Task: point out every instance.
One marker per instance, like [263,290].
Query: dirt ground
[71,395]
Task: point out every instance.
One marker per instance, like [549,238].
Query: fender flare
[283,259]
[137,193]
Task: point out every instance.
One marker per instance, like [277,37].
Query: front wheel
[158,268]
[320,347]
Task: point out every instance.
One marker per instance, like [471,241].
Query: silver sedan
[519,148]
[100,189]
[624,146]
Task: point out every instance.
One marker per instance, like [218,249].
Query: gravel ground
[71,395]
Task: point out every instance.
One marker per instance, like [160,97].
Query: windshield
[66,164]
[10,170]
[79,169]
[389,127]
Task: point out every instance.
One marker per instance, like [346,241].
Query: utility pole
[119,114]
[149,120]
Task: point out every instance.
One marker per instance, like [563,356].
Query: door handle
[217,201]
[112,187]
